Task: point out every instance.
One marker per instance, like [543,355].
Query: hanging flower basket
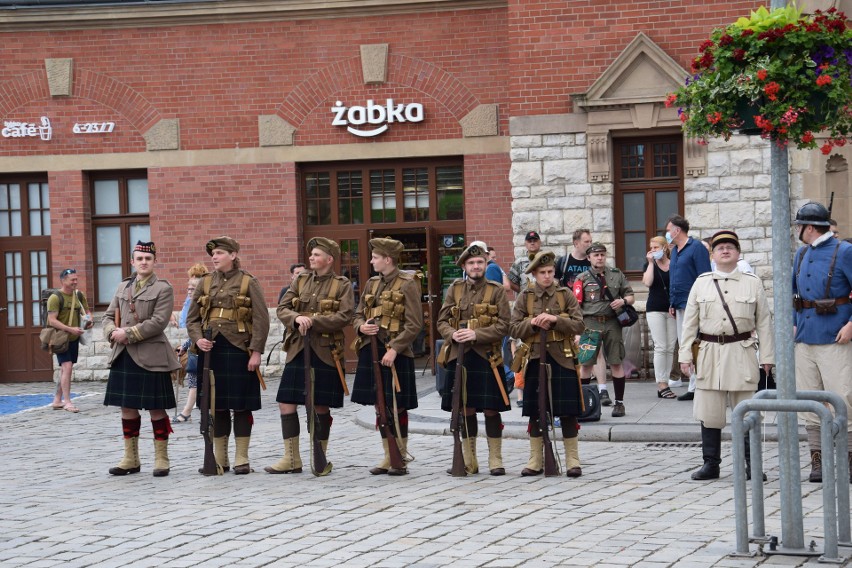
[779,74]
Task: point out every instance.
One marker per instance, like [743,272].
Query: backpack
[45,296]
[591,403]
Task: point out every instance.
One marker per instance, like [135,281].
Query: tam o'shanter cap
[145,247]
[724,237]
[387,247]
[476,249]
[532,236]
[596,247]
[224,243]
[542,258]
[327,246]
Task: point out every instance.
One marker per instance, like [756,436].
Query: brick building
[437,122]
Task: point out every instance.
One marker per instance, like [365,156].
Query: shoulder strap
[208,282]
[530,299]
[602,284]
[457,291]
[244,284]
[562,299]
[725,305]
[335,285]
[659,270]
[489,291]
[831,270]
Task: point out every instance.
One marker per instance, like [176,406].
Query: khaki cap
[224,243]
[387,247]
[476,249]
[542,258]
[596,247]
[327,246]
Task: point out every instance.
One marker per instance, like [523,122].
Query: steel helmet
[813,214]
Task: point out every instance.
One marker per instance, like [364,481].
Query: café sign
[374,119]
[20,129]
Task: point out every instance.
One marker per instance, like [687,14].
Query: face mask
[657,255]
[669,238]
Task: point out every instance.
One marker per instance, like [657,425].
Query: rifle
[396,460]
[319,464]
[550,467]
[208,401]
[458,469]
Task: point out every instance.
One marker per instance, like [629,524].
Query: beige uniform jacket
[310,290]
[569,322]
[224,288]
[474,293]
[144,316]
[729,366]
[412,318]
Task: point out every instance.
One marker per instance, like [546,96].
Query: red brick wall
[560,48]
[70,231]
[488,204]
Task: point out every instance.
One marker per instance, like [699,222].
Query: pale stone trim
[165,135]
[548,124]
[694,158]
[374,63]
[147,15]
[274,131]
[481,121]
[60,73]
[271,155]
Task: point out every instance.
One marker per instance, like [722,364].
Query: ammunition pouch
[444,354]
[825,307]
[522,357]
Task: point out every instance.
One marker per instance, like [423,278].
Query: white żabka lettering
[380,116]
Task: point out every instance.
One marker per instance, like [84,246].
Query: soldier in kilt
[323,303]
[142,359]
[229,302]
[546,305]
[389,309]
[475,314]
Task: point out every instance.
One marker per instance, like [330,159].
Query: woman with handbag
[191,379]
[662,325]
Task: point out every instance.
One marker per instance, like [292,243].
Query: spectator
[689,259]
[494,272]
[833,228]
[191,379]
[295,269]
[660,322]
[571,265]
[517,279]
[73,309]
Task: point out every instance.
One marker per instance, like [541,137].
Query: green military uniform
[597,313]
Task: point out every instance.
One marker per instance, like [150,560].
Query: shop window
[350,198]
[39,207]
[382,196]
[415,194]
[121,218]
[11,223]
[318,198]
[450,190]
[648,189]
[350,262]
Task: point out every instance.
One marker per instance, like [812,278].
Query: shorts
[71,354]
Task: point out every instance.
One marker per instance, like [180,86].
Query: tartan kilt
[363,389]
[236,387]
[131,386]
[482,390]
[565,386]
[328,391]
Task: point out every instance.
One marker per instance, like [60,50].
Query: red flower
[826,148]
[726,40]
[707,59]
[807,137]
[823,80]
[747,33]
[683,117]
[771,91]
[739,54]
[671,100]
[705,46]
[762,123]
[714,117]
[839,142]
[762,74]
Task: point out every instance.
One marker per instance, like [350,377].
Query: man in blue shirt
[689,260]
[494,272]
[822,283]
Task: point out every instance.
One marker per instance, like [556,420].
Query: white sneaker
[675,384]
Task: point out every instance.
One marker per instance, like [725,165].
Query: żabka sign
[380,116]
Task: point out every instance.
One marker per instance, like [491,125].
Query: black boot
[748,459]
[816,467]
[711,448]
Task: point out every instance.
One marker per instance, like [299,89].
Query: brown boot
[161,458]
[535,464]
[290,462]
[572,457]
[816,467]
[130,462]
[495,456]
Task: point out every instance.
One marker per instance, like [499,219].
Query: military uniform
[482,306]
[726,367]
[329,301]
[140,371]
[566,398]
[232,306]
[392,301]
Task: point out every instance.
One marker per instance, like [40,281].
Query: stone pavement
[635,504]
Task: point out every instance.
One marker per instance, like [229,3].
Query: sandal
[180,418]
[71,408]
[666,393]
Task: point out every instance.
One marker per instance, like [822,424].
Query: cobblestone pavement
[635,504]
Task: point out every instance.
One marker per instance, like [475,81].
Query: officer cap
[596,247]
[327,246]
[387,247]
[145,247]
[542,258]
[724,237]
[476,249]
[224,243]
[813,214]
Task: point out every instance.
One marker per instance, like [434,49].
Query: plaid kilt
[236,387]
[328,391]
[131,386]
[363,390]
[564,384]
[482,390]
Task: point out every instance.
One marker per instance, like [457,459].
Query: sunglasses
[67,271]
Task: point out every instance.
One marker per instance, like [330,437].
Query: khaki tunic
[569,322]
[224,288]
[473,293]
[310,290]
[595,301]
[145,323]
[412,322]
[729,366]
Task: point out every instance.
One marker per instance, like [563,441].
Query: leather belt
[808,304]
[723,339]
[601,319]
